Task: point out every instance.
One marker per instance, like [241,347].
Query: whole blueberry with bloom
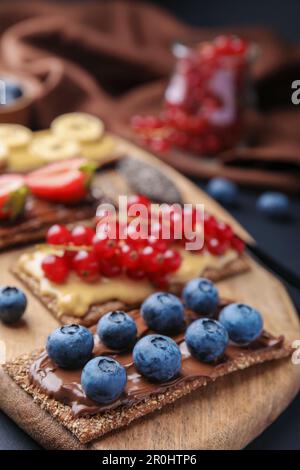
[206,339]
[163,312]
[13,304]
[273,204]
[70,346]
[157,357]
[243,323]
[223,190]
[103,379]
[201,296]
[117,330]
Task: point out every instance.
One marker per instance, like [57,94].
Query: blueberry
[117,330]
[157,357]
[201,295]
[206,339]
[273,204]
[103,379]
[243,323]
[163,312]
[70,346]
[223,190]
[13,304]
[12,91]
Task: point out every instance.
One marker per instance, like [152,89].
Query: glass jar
[206,97]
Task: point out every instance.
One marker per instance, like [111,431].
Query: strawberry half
[13,192]
[67,181]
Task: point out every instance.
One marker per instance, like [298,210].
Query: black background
[279,239]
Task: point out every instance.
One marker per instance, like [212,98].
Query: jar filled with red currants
[205,100]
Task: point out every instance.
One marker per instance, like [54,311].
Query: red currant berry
[216,247]
[58,235]
[86,266]
[134,238]
[224,232]
[55,268]
[82,235]
[137,199]
[136,274]
[110,268]
[210,226]
[151,260]
[172,261]
[157,244]
[160,281]
[160,145]
[223,44]
[237,244]
[129,257]
[68,256]
[104,247]
[111,229]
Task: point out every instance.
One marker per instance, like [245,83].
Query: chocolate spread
[65,385]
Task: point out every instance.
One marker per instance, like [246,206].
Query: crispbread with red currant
[68,400]
[80,275]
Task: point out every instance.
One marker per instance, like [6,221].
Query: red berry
[224,232]
[110,228]
[160,145]
[237,244]
[86,266]
[157,244]
[58,235]
[238,45]
[216,247]
[82,235]
[136,274]
[223,44]
[104,247]
[129,257]
[110,268]
[55,268]
[210,226]
[68,256]
[172,261]
[151,260]
[137,199]
[160,281]
[134,238]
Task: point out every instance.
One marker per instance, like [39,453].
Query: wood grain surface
[227,414]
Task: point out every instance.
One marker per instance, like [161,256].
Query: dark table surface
[279,239]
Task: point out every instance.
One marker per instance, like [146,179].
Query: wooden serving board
[224,415]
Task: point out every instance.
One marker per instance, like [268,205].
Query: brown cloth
[113,59]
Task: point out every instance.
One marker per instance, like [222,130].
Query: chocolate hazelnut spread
[65,385]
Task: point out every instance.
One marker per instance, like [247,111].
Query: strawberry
[13,192]
[66,181]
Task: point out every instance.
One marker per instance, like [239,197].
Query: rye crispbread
[53,424]
[235,267]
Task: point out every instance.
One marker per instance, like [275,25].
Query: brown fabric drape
[113,59]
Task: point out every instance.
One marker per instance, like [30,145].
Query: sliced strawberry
[67,181]
[13,192]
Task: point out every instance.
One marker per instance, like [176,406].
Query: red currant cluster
[92,254]
[203,102]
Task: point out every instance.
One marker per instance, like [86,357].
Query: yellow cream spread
[75,296]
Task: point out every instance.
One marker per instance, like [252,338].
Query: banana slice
[82,127]
[14,135]
[3,154]
[51,148]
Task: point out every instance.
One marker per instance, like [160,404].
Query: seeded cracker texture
[235,267]
[14,381]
